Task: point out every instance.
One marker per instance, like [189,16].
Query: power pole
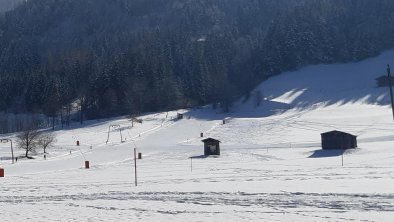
[12,149]
[191,164]
[343,151]
[135,166]
[12,152]
[391,88]
[109,129]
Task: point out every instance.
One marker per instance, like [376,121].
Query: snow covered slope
[271,168]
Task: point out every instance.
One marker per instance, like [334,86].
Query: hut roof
[337,132]
[383,81]
[210,140]
[384,77]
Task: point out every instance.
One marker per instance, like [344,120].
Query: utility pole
[191,164]
[343,151]
[135,166]
[121,137]
[12,152]
[12,149]
[391,88]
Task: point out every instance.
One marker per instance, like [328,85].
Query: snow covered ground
[271,168]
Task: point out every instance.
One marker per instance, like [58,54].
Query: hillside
[271,166]
[130,56]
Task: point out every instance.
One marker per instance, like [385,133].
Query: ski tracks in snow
[329,206]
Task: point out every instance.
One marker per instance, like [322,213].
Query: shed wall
[338,141]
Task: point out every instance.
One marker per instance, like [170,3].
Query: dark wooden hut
[180,115]
[338,140]
[211,147]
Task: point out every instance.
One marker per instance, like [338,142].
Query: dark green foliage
[130,56]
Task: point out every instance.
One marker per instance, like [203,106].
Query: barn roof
[383,81]
[384,77]
[337,132]
[210,140]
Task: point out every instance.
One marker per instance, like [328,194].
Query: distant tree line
[129,56]
[6,5]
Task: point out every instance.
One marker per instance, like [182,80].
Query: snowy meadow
[271,167]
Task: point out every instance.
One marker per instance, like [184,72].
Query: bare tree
[28,139]
[46,140]
[133,119]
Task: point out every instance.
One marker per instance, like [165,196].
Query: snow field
[271,168]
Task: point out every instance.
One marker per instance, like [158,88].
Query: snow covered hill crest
[328,84]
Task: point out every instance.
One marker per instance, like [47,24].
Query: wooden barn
[211,147]
[338,140]
[383,81]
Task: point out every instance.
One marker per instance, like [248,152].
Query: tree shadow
[268,108]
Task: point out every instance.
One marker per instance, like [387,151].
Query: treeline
[130,56]
[6,5]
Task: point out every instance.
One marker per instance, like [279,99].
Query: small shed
[384,81]
[338,140]
[211,147]
[180,115]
